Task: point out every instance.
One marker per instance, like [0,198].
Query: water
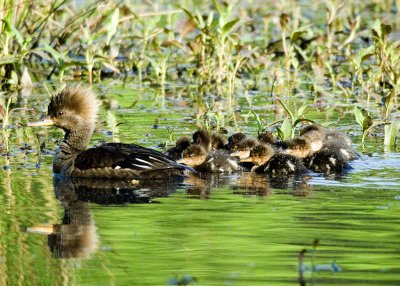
[228,230]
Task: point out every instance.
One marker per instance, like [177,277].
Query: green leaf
[301,110]
[112,25]
[228,26]
[292,118]
[359,117]
[8,60]
[391,132]
[286,129]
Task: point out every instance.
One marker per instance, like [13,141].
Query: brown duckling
[181,144]
[268,138]
[234,140]
[242,149]
[276,165]
[74,110]
[330,140]
[216,162]
[315,134]
[328,160]
[218,142]
[203,137]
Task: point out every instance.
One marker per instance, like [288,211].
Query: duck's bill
[241,154]
[44,122]
[42,229]
[248,159]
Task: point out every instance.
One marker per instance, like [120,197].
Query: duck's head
[234,140]
[315,134]
[299,147]
[218,142]
[193,156]
[202,137]
[266,137]
[182,143]
[243,148]
[260,154]
[71,108]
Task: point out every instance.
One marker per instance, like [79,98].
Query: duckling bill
[75,110]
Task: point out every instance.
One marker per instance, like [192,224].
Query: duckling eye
[60,112]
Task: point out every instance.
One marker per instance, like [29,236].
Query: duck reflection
[76,235]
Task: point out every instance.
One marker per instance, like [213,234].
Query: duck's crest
[79,99]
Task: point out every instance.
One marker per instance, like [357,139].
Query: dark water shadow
[76,235]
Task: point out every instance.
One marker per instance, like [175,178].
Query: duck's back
[118,160]
[282,165]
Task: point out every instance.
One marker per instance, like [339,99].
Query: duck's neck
[75,141]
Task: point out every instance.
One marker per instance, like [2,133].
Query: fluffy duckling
[315,134]
[181,144]
[268,138]
[203,138]
[276,165]
[326,160]
[218,142]
[216,162]
[74,110]
[242,149]
[234,140]
[330,140]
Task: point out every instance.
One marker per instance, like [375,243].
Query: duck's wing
[125,156]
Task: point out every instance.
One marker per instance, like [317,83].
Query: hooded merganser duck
[181,144]
[74,110]
[276,165]
[203,162]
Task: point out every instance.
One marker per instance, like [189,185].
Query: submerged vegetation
[291,55]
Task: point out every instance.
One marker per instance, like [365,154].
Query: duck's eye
[60,112]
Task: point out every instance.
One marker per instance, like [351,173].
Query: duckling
[203,137]
[181,144]
[315,134]
[333,134]
[74,109]
[329,139]
[242,149]
[268,138]
[216,162]
[234,140]
[326,160]
[218,142]
[276,165]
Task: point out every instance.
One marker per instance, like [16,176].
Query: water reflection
[76,235]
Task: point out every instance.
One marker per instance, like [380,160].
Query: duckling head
[182,143]
[299,147]
[218,142]
[266,137]
[193,156]
[202,137]
[315,134]
[243,148]
[234,140]
[260,154]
